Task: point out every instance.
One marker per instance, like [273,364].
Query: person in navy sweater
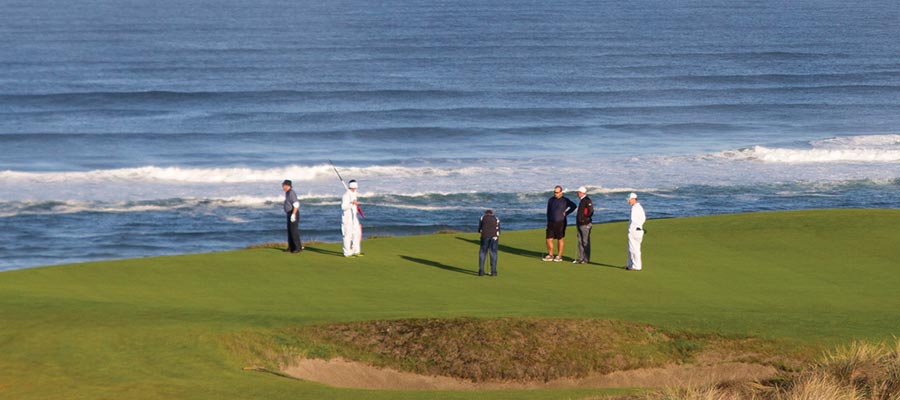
[558,208]
[489,227]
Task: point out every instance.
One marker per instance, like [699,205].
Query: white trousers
[634,249]
[352,232]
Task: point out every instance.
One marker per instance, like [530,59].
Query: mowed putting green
[163,328]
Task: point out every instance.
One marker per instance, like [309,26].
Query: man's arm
[295,202]
[570,206]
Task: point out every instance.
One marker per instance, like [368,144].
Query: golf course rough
[165,327]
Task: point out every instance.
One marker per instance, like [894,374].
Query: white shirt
[347,206]
[637,217]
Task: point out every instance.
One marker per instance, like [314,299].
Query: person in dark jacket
[292,208]
[558,208]
[489,227]
[583,222]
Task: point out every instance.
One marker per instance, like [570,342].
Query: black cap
[287,182]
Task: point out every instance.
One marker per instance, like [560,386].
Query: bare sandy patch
[343,373]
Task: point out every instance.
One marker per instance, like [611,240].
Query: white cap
[353,185]
[632,195]
[582,189]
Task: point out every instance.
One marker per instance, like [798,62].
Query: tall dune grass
[858,371]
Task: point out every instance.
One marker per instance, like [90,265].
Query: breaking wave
[235,175]
[850,149]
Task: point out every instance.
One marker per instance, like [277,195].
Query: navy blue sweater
[558,209]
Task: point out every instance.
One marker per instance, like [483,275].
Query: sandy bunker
[518,353]
[350,374]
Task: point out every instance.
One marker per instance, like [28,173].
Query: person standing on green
[489,227]
[584,223]
[292,209]
[558,208]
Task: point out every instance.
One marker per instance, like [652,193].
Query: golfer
[350,226]
[584,223]
[489,227]
[558,208]
[635,233]
[292,209]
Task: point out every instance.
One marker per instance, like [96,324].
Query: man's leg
[580,236]
[562,245]
[550,246]
[348,239]
[586,242]
[357,239]
[634,250]
[482,252]
[495,244]
[293,235]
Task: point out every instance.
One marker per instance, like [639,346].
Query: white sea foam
[851,149]
[152,174]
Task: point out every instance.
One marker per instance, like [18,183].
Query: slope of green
[156,328]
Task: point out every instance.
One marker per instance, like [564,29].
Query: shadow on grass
[607,265]
[529,253]
[323,251]
[436,264]
[507,249]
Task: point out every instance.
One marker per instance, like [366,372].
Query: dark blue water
[132,128]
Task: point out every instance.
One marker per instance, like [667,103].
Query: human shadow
[507,249]
[529,253]
[606,265]
[323,251]
[436,264]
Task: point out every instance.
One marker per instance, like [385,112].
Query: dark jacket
[489,226]
[585,211]
[559,209]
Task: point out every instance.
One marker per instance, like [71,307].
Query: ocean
[135,128]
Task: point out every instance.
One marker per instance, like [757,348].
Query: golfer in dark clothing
[489,227]
[584,223]
[292,208]
[558,208]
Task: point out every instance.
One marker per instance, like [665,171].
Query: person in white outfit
[350,226]
[635,233]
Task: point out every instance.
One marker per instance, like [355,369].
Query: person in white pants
[635,233]
[350,226]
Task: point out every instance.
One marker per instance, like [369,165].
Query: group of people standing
[351,228]
[558,209]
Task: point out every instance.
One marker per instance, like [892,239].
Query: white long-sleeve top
[637,217]
[348,209]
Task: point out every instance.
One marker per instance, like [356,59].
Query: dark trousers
[293,232]
[488,244]
[584,242]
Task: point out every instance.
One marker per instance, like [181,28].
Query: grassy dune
[170,327]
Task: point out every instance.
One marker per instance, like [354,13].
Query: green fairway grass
[165,327]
